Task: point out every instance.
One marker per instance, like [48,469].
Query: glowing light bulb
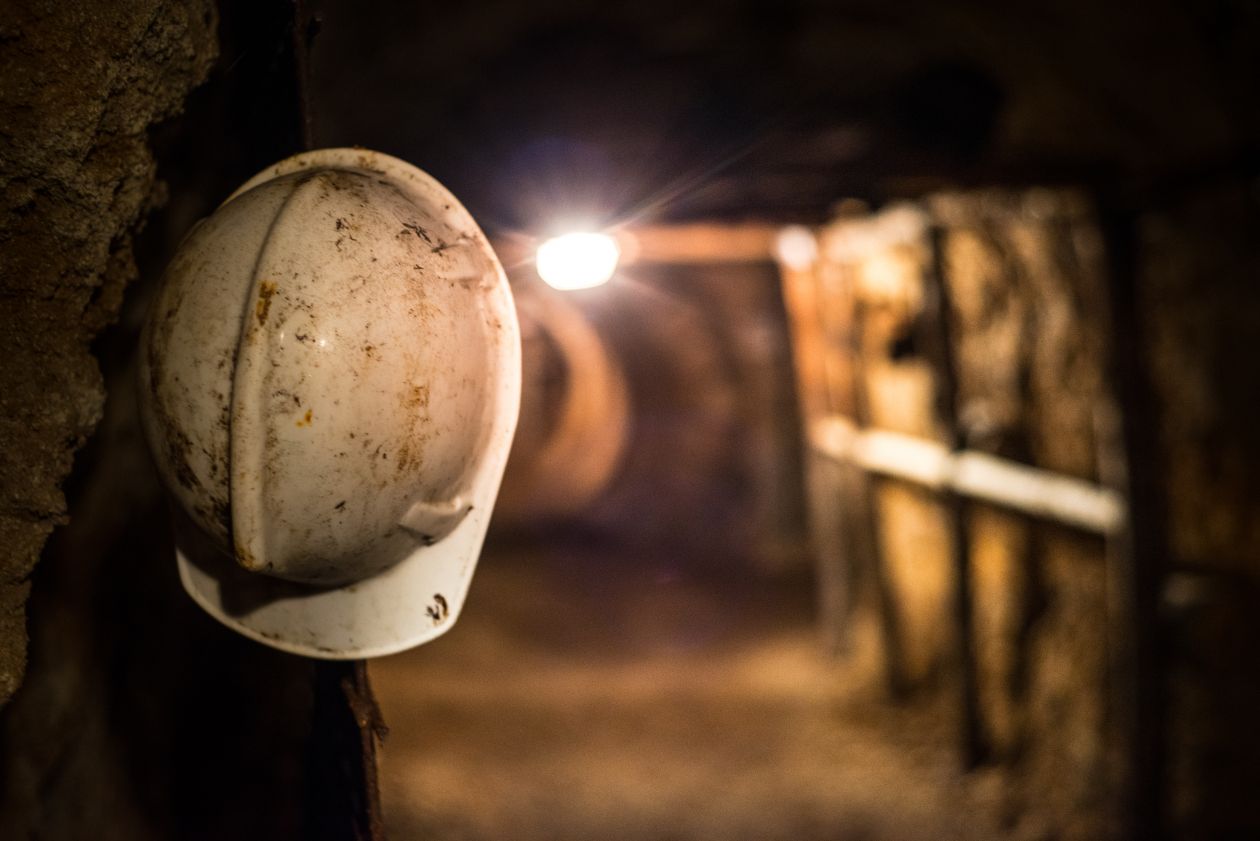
[578,260]
[796,247]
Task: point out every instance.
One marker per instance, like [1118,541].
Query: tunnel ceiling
[667,110]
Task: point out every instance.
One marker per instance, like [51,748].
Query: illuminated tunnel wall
[1079,616]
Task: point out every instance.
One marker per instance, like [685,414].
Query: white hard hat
[331,380]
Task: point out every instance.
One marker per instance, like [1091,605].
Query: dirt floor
[590,695]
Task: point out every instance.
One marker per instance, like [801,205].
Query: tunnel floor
[594,695]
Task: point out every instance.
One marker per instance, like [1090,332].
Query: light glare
[578,260]
[797,248]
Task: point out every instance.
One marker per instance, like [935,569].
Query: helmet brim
[411,603]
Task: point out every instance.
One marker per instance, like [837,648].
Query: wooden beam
[930,464]
[706,243]
[701,243]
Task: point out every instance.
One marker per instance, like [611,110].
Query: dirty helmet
[330,385]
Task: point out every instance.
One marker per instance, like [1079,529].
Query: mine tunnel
[850,419]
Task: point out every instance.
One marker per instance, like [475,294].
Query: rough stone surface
[80,85]
[1024,276]
[1027,286]
[1199,265]
[1202,304]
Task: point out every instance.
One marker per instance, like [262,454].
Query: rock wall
[1200,259]
[80,86]
[1025,279]
[1027,284]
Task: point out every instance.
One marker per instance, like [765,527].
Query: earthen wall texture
[80,86]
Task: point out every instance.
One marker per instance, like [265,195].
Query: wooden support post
[938,329]
[859,488]
[1138,555]
[832,559]
[343,800]
[820,319]
[836,309]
